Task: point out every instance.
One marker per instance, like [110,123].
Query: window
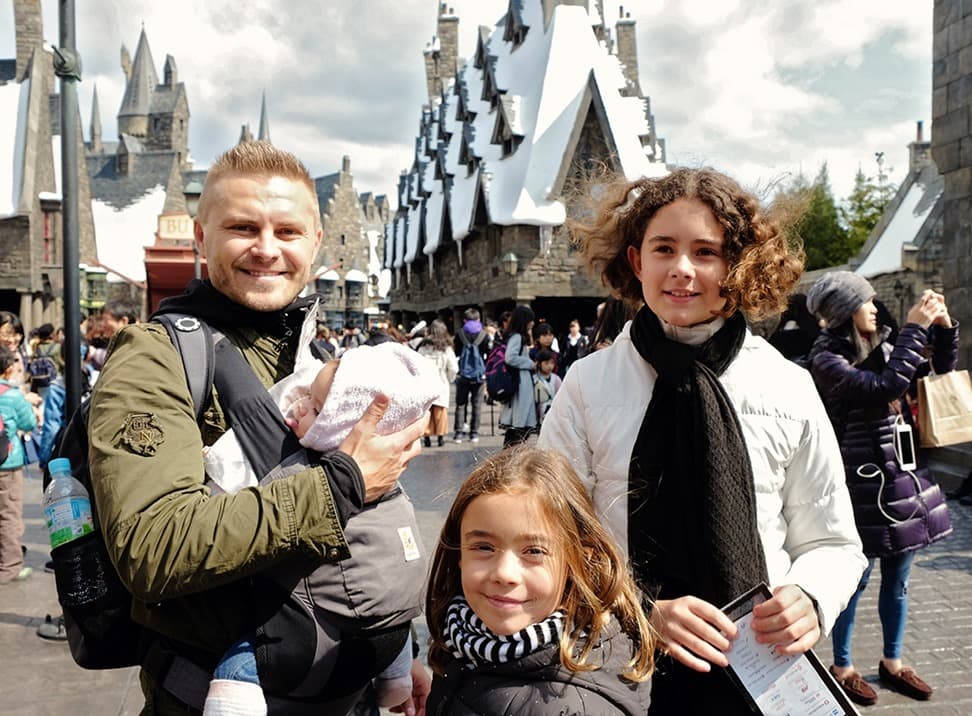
[344,240]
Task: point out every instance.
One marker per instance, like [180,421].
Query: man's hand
[381,458]
[696,633]
[421,686]
[788,620]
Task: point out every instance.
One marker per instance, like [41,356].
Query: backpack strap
[193,340]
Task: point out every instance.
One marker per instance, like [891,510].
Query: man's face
[259,237]
[111,325]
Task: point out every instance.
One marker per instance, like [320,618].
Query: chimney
[919,151]
[345,164]
[29,29]
[448,31]
[627,52]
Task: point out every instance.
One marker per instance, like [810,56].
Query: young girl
[530,607]
[519,416]
[437,347]
[709,455]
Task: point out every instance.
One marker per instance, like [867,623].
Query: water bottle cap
[59,464]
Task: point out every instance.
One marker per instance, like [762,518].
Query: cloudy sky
[759,88]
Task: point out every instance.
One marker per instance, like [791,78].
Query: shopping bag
[945,409]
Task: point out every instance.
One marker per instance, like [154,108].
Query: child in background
[530,601]
[322,413]
[546,383]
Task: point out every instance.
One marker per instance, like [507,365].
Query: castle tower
[133,114]
[264,132]
[95,147]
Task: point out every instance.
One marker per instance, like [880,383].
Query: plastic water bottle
[67,505]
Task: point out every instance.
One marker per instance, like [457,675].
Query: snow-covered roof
[123,234]
[912,207]
[13,134]
[506,134]
[356,275]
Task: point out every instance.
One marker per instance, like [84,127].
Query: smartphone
[904,446]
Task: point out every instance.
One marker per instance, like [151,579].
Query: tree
[863,208]
[825,240]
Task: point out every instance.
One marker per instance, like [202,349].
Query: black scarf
[201,299]
[692,501]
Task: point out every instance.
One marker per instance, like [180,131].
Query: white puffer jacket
[804,514]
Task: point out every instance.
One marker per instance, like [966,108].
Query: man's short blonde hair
[258,159]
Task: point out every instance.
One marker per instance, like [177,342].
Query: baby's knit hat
[837,295]
[410,380]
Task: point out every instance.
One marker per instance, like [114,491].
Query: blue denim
[239,663]
[892,608]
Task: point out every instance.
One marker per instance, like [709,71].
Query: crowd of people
[680,462]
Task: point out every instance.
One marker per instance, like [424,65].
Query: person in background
[796,332]
[544,339]
[863,379]
[469,388]
[519,415]
[546,383]
[120,312]
[709,456]
[437,347]
[530,606]
[12,337]
[610,320]
[576,346]
[18,415]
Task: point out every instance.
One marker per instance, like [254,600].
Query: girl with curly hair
[708,455]
[530,606]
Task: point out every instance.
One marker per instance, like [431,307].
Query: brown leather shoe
[906,682]
[857,690]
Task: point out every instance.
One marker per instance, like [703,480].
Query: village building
[31,270]
[549,97]
[348,270]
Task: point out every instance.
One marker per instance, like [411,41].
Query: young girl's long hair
[598,582]
[438,337]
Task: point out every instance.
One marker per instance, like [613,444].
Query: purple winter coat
[864,402]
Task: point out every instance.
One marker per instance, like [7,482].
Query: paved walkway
[39,678]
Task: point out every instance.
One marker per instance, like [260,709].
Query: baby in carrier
[379,586]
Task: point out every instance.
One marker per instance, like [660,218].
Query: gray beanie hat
[837,295]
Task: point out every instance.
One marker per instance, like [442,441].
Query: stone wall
[952,150]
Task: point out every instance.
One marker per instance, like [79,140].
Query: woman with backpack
[519,415]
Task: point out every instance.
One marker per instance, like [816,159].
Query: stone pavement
[39,678]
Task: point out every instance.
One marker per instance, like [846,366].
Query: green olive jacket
[190,559]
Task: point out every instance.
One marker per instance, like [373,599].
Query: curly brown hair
[763,265]
[598,582]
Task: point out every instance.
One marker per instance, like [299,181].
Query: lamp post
[67,66]
[192,192]
[510,263]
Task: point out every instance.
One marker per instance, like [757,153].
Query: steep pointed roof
[264,133]
[95,115]
[142,83]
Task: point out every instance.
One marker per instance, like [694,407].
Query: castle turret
[134,111]
[170,75]
[95,147]
[264,133]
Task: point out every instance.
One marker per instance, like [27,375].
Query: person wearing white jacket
[708,455]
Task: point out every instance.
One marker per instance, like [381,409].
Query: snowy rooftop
[13,118]
[505,135]
[912,211]
[123,234]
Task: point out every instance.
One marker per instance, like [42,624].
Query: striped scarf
[470,640]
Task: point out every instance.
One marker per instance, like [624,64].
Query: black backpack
[97,606]
[41,368]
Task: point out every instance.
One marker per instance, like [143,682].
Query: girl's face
[9,337]
[680,263]
[513,570]
[865,319]
[546,340]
